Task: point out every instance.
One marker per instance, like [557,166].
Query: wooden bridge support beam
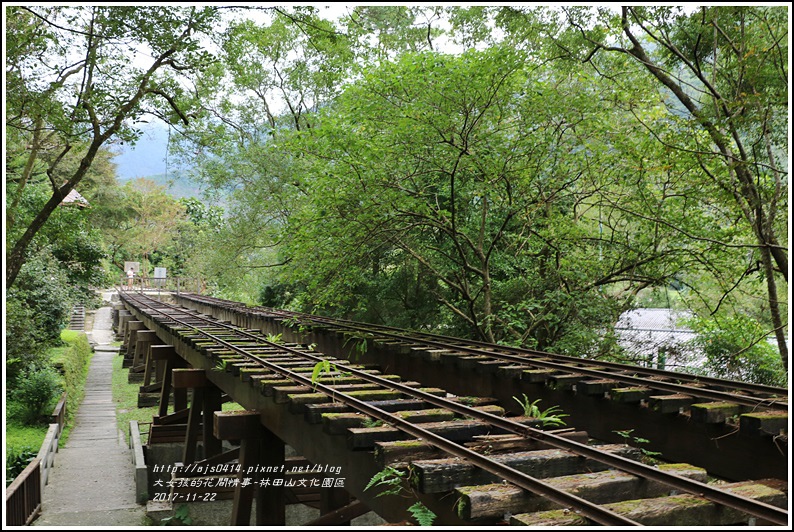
[207,399]
[212,404]
[340,517]
[124,317]
[195,379]
[260,451]
[141,340]
[129,341]
[114,315]
[332,499]
[166,357]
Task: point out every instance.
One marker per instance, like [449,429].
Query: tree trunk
[774,307]
[17,256]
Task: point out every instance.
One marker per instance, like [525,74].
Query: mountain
[177,184]
[147,157]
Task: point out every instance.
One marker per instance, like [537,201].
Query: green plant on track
[551,417]
[636,441]
[395,482]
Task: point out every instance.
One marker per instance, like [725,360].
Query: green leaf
[387,477]
[423,515]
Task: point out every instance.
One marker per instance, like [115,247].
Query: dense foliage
[515,174]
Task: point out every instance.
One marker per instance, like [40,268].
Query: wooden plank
[178,416]
[436,476]
[282,394]
[298,402]
[513,371]
[677,510]
[164,352]
[630,395]
[236,424]
[536,375]
[314,412]
[398,454]
[670,404]
[715,412]
[564,381]
[595,387]
[494,500]
[509,442]
[458,430]
[188,378]
[771,422]
[341,516]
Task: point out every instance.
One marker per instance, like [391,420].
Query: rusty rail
[551,360]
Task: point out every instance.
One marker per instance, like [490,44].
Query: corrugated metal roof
[74,198]
[654,319]
[649,332]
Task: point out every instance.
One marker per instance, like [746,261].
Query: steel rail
[750,506]
[592,511]
[402,333]
[744,400]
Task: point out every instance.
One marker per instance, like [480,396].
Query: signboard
[159,277]
[136,267]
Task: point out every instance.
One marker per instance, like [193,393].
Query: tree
[720,74]
[75,80]
[469,174]
[142,219]
[727,71]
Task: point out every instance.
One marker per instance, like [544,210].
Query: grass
[21,436]
[69,336]
[58,354]
[73,359]
[125,396]
[23,441]
[22,445]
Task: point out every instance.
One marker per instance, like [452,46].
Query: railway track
[714,423]
[462,448]
[755,396]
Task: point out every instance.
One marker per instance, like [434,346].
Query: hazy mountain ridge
[177,184]
[147,158]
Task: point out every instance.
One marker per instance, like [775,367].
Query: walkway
[92,481]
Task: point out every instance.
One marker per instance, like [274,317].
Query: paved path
[92,481]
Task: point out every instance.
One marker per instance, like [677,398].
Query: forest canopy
[520,175]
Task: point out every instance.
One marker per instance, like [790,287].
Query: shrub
[24,346]
[37,307]
[17,459]
[35,389]
[75,369]
[735,348]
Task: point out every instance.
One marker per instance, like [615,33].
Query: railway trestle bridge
[415,426]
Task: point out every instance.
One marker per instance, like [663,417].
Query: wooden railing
[139,460]
[165,284]
[47,452]
[23,495]
[59,414]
